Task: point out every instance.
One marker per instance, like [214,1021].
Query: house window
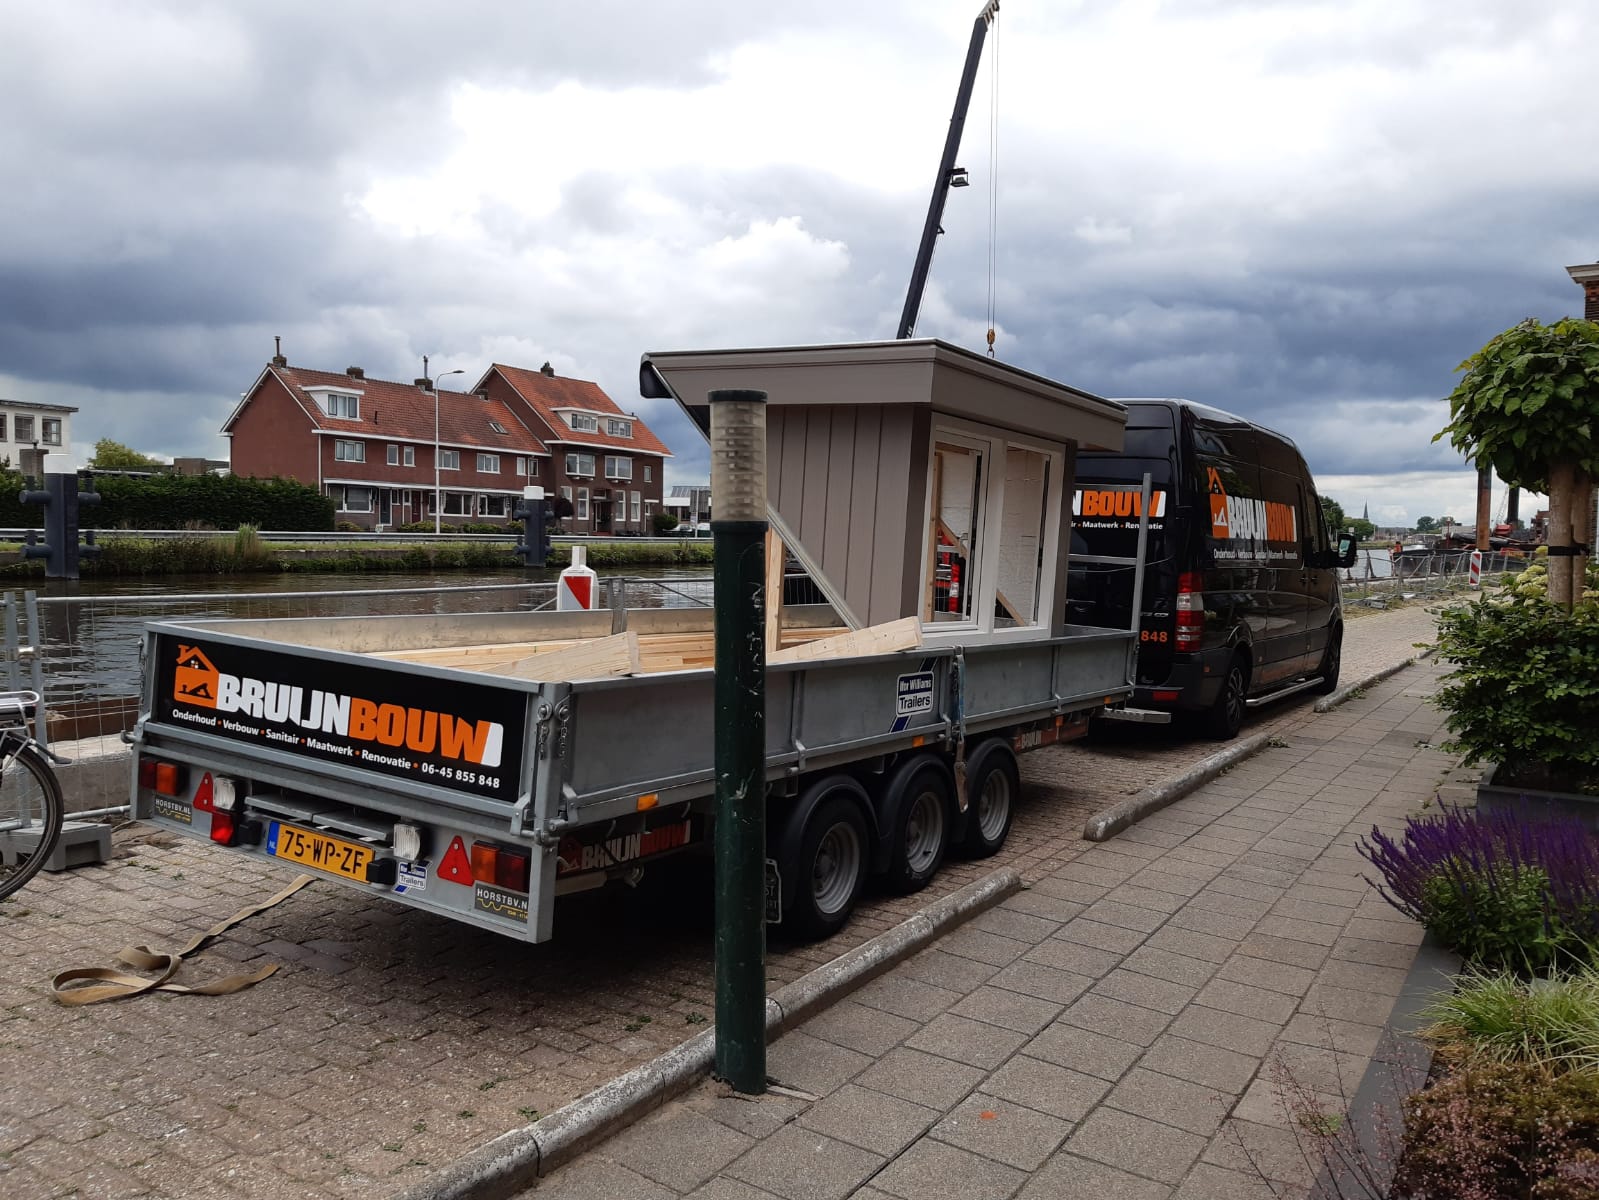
[638,506]
[581,512]
[2,427]
[497,427]
[618,428]
[566,494]
[457,504]
[618,466]
[583,422]
[394,455]
[343,404]
[52,431]
[449,460]
[649,473]
[355,499]
[349,451]
[24,429]
[580,464]
[408,453]
[489,464]
[491,506]
[533,468]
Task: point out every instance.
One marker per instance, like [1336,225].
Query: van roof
[1206,410]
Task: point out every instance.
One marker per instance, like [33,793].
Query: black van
[1241,600]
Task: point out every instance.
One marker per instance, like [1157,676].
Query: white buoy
[576,588]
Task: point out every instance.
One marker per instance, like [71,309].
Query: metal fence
[1377,580]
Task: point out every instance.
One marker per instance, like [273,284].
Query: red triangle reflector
[202,794]
[455,866]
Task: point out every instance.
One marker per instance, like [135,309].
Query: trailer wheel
[993,786]
[918,811]
[827,862]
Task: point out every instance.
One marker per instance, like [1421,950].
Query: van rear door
[1105,518]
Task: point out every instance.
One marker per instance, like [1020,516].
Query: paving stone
[1228,1030]
[678,1147]
[1381,954]
[1138,1144]
[1069,1176]
[1313,932]
[907,997]
[1145,991]
[1345,1004]
[1039,904]
[996,1128]
[1008,1009]
[1133,896]
[858,1027]
[1014,924]
[723,1188]
[1247,1001]
[1069,956]
[799,1164]
[1192,944]
[1084,1050]
[1058,1091]
[798,1060]
[921,1078]
[1214,1067]
[1171,1101]
[756,1116]
[990,948]
[1276,976]
[1175,968]
[870,1119]
[1116,1018]
[1118,912]
[593,1178]
[1220,924]
[932,1170]
[951,971]
[1283,950]
[964,1040]
[1044,983]
[1113,939]
[1209,1182]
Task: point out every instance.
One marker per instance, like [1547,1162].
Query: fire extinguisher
[954,584]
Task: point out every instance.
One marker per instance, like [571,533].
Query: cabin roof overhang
[925,372]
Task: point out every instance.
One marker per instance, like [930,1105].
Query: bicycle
[31,803]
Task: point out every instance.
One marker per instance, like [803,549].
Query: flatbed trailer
[447,763]
[483,797]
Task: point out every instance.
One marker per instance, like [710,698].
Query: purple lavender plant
[1507,889]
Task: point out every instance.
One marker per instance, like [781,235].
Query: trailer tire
[993,786]
[918,818]
[824,857]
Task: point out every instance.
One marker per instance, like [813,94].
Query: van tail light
[1190,610]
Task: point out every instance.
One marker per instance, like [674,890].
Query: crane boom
[946,172]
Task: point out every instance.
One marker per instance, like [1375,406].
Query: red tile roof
[404,412]
[547,393]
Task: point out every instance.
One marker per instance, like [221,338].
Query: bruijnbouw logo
[195,680]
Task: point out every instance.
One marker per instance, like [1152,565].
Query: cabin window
[952,536]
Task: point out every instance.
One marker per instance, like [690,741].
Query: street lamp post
[438,495]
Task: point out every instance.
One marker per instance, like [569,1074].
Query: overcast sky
[1306,212]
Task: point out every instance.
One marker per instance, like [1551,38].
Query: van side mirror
[1347,547]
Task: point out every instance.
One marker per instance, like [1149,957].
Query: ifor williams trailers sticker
[411,727]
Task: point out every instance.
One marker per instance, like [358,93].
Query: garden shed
[913,478]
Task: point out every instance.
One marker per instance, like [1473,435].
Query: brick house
[605,461]
[369,443]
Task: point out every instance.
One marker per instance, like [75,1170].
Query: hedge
[183,502]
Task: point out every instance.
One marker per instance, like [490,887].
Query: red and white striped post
[1476,568]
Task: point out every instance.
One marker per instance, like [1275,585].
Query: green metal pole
[738,494]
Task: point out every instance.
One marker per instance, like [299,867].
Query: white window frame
[24,427]
[496,426]
[408,456]
[483,505]
[619,427]
[589,422]
[649,473]
[449,460]
[334,404]
[521,465]
[488,464]
[3,417]
[637,507]
[614,464]
[47,425]
[993,443]
[577,472]
[344,498]
[394,454]
[342,450]
[580,506]
[465,505]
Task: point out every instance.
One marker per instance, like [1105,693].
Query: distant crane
[949,175]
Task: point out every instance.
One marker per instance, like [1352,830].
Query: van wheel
[993,785]
[829,868]
[920,812]
[1331,660]
[1226,715]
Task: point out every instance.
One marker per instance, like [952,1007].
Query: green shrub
[184,502]
[348,527]
[1497,1017]
[663,522]
[631,553]
[1503,1132]
[1525,688]
[1495,917]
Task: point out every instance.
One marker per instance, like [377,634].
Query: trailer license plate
[333,855]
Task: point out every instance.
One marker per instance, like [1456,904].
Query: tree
[1333,514]
[114,456]
[1425,524]
[1363,529]
[1528,406]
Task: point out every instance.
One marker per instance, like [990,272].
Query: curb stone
[513,1161]
[1108,822]
[1332,701]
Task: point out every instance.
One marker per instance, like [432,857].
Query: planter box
[1496,797]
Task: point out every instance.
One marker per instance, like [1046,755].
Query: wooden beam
[904,634]
[775,560]
[595,658]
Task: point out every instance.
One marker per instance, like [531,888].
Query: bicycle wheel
[30,816]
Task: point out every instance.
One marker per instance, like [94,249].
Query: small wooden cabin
[913,478]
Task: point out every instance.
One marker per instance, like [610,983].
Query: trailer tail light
[407,841]
[484,860]
[147,773]
[513,869]
[1190,610]
[222,828]
[168,778]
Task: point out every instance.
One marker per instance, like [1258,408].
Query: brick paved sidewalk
[1118,1030]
